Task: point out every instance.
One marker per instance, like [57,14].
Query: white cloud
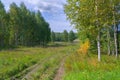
[32,1]
[46,5]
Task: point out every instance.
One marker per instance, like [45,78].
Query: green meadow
[17,63]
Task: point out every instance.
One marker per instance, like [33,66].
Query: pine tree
[71,36]
[3,27]
[53,38]
[65,36]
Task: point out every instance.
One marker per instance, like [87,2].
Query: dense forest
[64,36]
[20,26]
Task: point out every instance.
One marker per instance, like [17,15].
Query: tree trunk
[115,33]
[108,44]
[98,45]
[98,36]
[16,42]
[115,40]
[118,40]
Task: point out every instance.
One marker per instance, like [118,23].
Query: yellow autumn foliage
[84,47]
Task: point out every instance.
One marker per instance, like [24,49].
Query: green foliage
[71,36]
[59,36]
[65,36]
[3,26]
[20,26]
[53,37]
[94,20]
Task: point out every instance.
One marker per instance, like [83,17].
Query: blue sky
[52,11]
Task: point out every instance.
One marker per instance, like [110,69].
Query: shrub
[84,48]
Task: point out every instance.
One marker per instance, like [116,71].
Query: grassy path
[60,71]
[29,75]
[33,63]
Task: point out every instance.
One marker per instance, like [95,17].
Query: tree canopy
[92,18]
[20,26]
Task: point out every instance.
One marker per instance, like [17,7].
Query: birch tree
[84,15]
[90,17]
[115,4]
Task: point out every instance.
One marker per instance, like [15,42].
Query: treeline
[65,36]
[97,22]
[20,26]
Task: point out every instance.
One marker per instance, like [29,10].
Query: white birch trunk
[115,40]
[108,38]
[98,45]
[98,36]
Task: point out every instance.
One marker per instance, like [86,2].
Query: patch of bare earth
[60,72]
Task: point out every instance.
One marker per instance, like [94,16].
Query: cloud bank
[46,5]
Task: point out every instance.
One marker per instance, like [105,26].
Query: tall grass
[13,62]
[79,67]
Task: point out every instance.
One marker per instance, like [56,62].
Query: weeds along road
[51,67]
[30,74]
